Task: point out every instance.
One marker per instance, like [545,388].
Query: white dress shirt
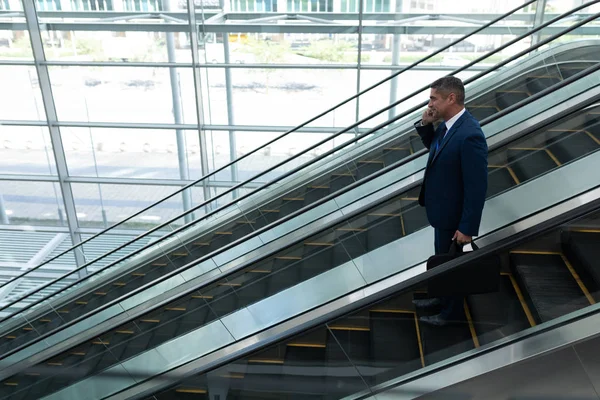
[453,120]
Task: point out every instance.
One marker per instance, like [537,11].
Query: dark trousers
[451,305]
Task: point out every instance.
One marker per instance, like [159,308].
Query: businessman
[455,182]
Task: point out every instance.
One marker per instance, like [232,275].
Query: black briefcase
[478,276]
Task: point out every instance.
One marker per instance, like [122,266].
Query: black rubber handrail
[289,173]
[394,75]
[375,175]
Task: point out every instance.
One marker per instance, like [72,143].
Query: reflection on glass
[26,150]
[122,94]
[15,45]
[106,46]
[99,205]
[131,153]
[25,99]
[31,203]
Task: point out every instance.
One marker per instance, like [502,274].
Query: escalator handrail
[293,171]
[360,210]
[231,163]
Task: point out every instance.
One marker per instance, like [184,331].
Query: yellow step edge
[418,330]
[175,308]
[318,187]
[230,284]
[138,274]
[409,198]
[395,148]
[521,299]
[201,297]
[27,329]
[125,332]
[159,264]
[553,157]
[201,244]
[310,345]
[11,383]
[403,227]
[350,328]
[324,244]
[293,199]
[525,148]
[223,233]
[55,364]
[232,376]
[119,284]
[100,293]
[100,342]
[45,320]
[536,252]
[63,311]
[578,280]
[288,258]
[10,337]
[594,138]
[81,303]
[151,321]
[194,391]
[586,230]
[471,325]
[78,353]
[513,175]
[179,254]
[269,211]
[391,311]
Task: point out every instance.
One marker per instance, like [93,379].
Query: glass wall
[137,101]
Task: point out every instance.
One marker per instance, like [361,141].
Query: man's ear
[452,98]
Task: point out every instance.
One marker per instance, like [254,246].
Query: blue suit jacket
[455,183]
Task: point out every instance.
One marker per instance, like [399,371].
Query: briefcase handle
[456,249]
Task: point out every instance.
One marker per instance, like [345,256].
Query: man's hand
[461,238]
[428,116]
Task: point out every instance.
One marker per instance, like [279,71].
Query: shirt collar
[453,120]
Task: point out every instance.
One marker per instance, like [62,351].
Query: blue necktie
[441,138]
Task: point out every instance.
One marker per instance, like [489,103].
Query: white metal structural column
[540,10]
[199,100]
[395,62]
[52,118]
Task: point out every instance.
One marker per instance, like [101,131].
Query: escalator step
[315,193]
[507,99]
[290,205]
[368,167]
[416,144]
[440,343]
[383,228]
[414,216]
[567,146]
[482,112]
[569,71]
[582,249]
[529,163]
[395,154]
[547,285]
[339,182]
[317,259]
[499,180]
[497,315]
[536,84]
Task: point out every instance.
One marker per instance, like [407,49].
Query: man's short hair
[450,84]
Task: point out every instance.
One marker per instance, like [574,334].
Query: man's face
[439,104]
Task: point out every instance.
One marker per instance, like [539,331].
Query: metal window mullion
[198,91]
[395,62]
[540,9]
[35,36]
[359,55]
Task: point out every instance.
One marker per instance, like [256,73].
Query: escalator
[551,274]
[540,76]
[263,293]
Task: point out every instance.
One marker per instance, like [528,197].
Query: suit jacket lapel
[449,135]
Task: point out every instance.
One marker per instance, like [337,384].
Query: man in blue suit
[455,183]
